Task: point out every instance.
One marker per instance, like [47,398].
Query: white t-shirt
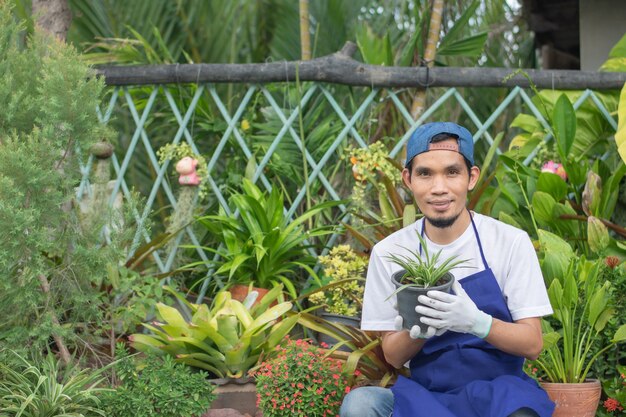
[509,253]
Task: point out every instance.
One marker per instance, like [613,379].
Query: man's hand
[416,332]
[454,312]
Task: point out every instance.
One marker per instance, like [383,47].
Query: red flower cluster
[611,404]
[611,261]
[300,381]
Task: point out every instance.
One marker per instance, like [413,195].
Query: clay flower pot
[574,399]
[240,292]
[407,298]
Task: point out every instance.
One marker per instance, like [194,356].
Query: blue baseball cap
[419,142]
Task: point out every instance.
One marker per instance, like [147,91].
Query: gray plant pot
[407,299]
[341,319]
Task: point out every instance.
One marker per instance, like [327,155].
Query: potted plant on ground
[340,290]
[420,273]
[581,302]
[299,379]
[226,339]
[263,247]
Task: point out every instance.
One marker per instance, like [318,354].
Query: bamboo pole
[305,34]
[419,100]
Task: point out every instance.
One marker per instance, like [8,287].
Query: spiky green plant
[42,390]
[425,269]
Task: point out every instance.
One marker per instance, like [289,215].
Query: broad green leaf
[251,168]
[620,334]
[243,315]
[212,334]
[408,215]
[527,123]
[205,347]
[202,314]
[597,304]
[228,325]
[491,153]
[146,340]
[543,205]
[552,184]
[564,119]
[614,65]
[570,290]
[555,293]
[221,373]
[603,319]
[557,255]
[508,219]
[619,50]
[172,317]
[272,314]
[271,296]
[620,134]
[218,362]
[550,339]
[375,50]
[251,189]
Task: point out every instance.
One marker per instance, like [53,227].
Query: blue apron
[461,375]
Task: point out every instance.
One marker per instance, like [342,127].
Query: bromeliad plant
[582,309]
[226,339]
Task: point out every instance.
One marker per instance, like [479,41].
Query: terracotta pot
[407,299]
[574,400]
[239,292]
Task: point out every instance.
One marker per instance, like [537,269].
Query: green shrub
[157,386]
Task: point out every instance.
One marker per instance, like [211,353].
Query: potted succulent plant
[582,308]
[420,273]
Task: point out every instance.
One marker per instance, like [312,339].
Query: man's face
[440,181]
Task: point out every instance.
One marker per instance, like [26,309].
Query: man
[469,361]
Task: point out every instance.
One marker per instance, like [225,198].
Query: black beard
[443,223]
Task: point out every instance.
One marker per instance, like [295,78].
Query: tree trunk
[52,16]
[419,101]
[305,34]
[58,339]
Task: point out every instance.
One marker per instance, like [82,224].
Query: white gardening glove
[454,312]
[416,332]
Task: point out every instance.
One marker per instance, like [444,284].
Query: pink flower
[555,168]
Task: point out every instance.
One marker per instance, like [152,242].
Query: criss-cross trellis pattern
[209,119]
